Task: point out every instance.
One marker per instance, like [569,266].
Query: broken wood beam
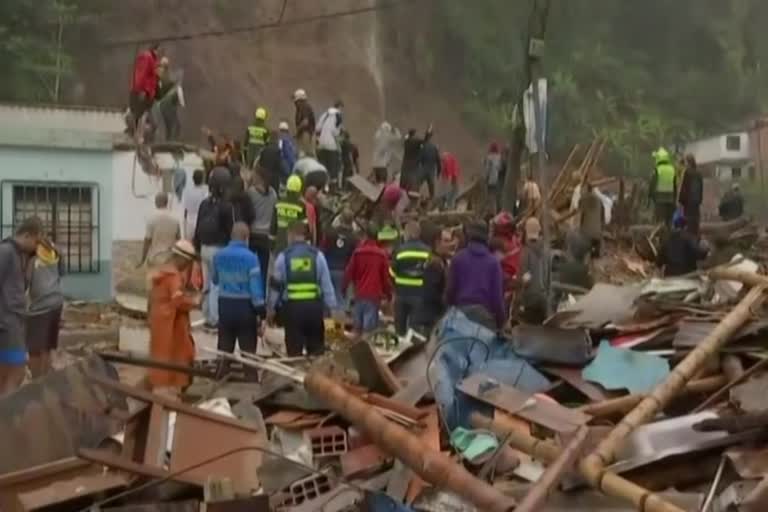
[547,452]
[624,404]
[733,382]
[707,228]
[554,473]
[593,466]
[434,467]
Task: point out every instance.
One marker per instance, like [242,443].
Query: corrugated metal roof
[54,126]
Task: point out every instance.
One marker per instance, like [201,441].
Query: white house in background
[726,156]
[68,166]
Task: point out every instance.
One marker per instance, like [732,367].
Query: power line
[255,28]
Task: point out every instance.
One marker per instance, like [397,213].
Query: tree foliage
[638,73]
[32,55]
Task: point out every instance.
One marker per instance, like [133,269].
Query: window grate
[69,212]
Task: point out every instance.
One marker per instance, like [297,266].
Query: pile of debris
[651,393]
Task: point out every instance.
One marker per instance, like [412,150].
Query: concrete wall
[134,192]
[33,165]
[715,149]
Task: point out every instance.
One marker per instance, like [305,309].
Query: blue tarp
[465,348]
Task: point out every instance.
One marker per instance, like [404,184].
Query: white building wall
[715,149]
[134,192]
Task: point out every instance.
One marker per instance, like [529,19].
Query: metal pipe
[434,467]
[538,494]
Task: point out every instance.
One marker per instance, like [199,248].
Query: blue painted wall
[34,164]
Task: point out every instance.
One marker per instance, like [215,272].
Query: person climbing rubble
[385,141]
[301,288]
[256,137]
[305,122]
[143,85]
[409,170]
[328,132]
[288,152]
[429,165]
[491,172]
[663,186]
[535,275]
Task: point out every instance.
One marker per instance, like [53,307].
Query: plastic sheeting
[466,348]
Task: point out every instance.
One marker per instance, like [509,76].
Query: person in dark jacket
[429,165]
[732,204]
[350,157]
[680,252]
[407,269]
[536,275]
[432,306]
[338,244]
[242,207]
[214,227]
[271,161]
[692,194]
[410,167]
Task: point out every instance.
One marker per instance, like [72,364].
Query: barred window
[70,215]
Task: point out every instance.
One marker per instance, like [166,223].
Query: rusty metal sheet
[363,461]
[171,506]
[66,490]
[542,412]
[690,332]
[49,418]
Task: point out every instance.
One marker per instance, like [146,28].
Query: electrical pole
[536,49]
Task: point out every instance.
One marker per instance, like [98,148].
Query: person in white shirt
[328,132]
[191,200]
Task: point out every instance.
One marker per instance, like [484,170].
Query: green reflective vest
[387,234]
[665,178]
[258,135]
[301,273]
[288,212]
[408,265]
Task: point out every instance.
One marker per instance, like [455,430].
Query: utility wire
[255,28]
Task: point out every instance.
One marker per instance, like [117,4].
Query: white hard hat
[300,94]
[283,127]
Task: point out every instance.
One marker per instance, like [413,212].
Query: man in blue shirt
[237,273]
[301,285]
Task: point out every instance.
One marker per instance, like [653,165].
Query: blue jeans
[365,316]
[210,291]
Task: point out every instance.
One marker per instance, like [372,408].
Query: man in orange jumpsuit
[169,326]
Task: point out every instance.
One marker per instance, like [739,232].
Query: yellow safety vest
[288,213]
[665,178]
[416,259]
[257,135]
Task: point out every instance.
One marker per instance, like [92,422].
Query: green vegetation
[637,73]
[32,56]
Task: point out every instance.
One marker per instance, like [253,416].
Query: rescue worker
[256,136]
[407,270]
[288,209]
[301,287]
[692,194]
[305,122]
[143,85]
[663,186]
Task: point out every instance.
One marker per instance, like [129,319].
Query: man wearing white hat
[287,148]
[305,122]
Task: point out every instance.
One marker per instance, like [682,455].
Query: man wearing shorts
[45,303]
[14,256]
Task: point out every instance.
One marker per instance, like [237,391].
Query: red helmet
[503,224]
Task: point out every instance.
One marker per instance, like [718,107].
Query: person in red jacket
[449,179]
[503,230]
[368,272]
[144,83]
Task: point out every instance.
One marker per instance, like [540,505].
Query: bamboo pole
[433,466]
[595,158]
[563,174]
[546,451]
[624,404]
[538,494]
[593,466]
[733,382]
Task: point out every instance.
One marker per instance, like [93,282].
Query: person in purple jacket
[475,282]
